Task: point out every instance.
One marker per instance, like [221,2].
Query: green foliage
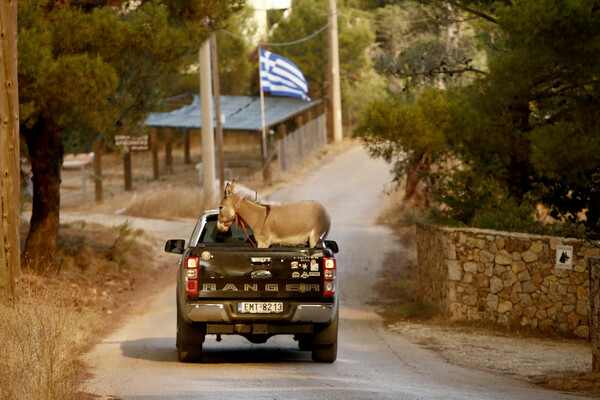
[529,126]
[311,56]
[122,244]
[415,52]
[235,66]
[402,134]
[86,66]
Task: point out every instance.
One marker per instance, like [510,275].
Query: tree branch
[437,71]
[472,10]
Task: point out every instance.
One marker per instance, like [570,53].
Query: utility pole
[334,62]
[10,194]
[208,141]
[217,97]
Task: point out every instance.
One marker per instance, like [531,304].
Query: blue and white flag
[281,77]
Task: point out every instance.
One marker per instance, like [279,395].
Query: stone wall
[507,278]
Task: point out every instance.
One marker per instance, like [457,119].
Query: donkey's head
[228,207]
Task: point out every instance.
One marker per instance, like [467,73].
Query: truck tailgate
[230,273]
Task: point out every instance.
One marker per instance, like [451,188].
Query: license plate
[260,307]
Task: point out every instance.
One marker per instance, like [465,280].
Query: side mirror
[175,246]
[332,245]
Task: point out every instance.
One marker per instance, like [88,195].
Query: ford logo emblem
[261,274]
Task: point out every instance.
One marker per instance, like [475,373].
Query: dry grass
[40,338]
[153,201]
[60,313]
[167,203]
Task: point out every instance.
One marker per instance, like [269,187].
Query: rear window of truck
[234,235]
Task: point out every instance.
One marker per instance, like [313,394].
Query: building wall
[506,278]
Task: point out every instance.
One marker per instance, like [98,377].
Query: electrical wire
[280,44]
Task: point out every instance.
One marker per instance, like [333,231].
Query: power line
[281,44]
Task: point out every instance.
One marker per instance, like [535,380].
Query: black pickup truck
[226,286]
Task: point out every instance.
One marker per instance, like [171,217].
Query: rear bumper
[226,312]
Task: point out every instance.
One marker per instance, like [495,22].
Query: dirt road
[139,361]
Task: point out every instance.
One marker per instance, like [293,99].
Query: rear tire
[325,342]
[325,354]
[190,338]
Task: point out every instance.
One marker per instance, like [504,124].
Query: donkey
[290,224]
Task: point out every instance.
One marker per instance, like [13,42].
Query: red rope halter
[227,222]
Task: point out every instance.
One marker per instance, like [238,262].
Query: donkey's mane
[250,198]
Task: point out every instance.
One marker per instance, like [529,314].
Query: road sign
[133,143]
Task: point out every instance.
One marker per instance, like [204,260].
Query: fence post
[169,150]
[282,152]
[186,147]
[127,170]
[594,270]
[98,170]
[154,146]
[300,149]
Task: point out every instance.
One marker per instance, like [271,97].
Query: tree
[415,137]
[538,99]
[91,68]
[311,56]
[235,66]
[532,137]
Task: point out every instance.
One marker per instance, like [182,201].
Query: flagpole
[262,108]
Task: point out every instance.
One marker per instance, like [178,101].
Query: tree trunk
[415,193]
[45,146]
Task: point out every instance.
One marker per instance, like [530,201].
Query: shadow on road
[163,350]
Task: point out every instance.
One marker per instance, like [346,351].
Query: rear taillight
[191,275]
[329,272]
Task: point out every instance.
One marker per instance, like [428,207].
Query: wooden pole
[300,139]
[10,194]
[217,100]
[594,270]
[282,149]
[186,147]
[154,144]
[127,170]
[98,170]
[169,150]
[334,63]
[208,135]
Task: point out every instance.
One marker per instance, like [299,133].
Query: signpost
[131,143]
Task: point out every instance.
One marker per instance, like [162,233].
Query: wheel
[190,338]
[325,342]
[325,354]
[189,353]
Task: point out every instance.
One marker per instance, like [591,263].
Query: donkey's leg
[262,241]
[313,239]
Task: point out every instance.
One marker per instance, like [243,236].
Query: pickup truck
[225,286]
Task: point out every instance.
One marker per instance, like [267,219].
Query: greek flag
[281,77]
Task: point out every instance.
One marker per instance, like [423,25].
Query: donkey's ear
[233,186]
[227,192]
